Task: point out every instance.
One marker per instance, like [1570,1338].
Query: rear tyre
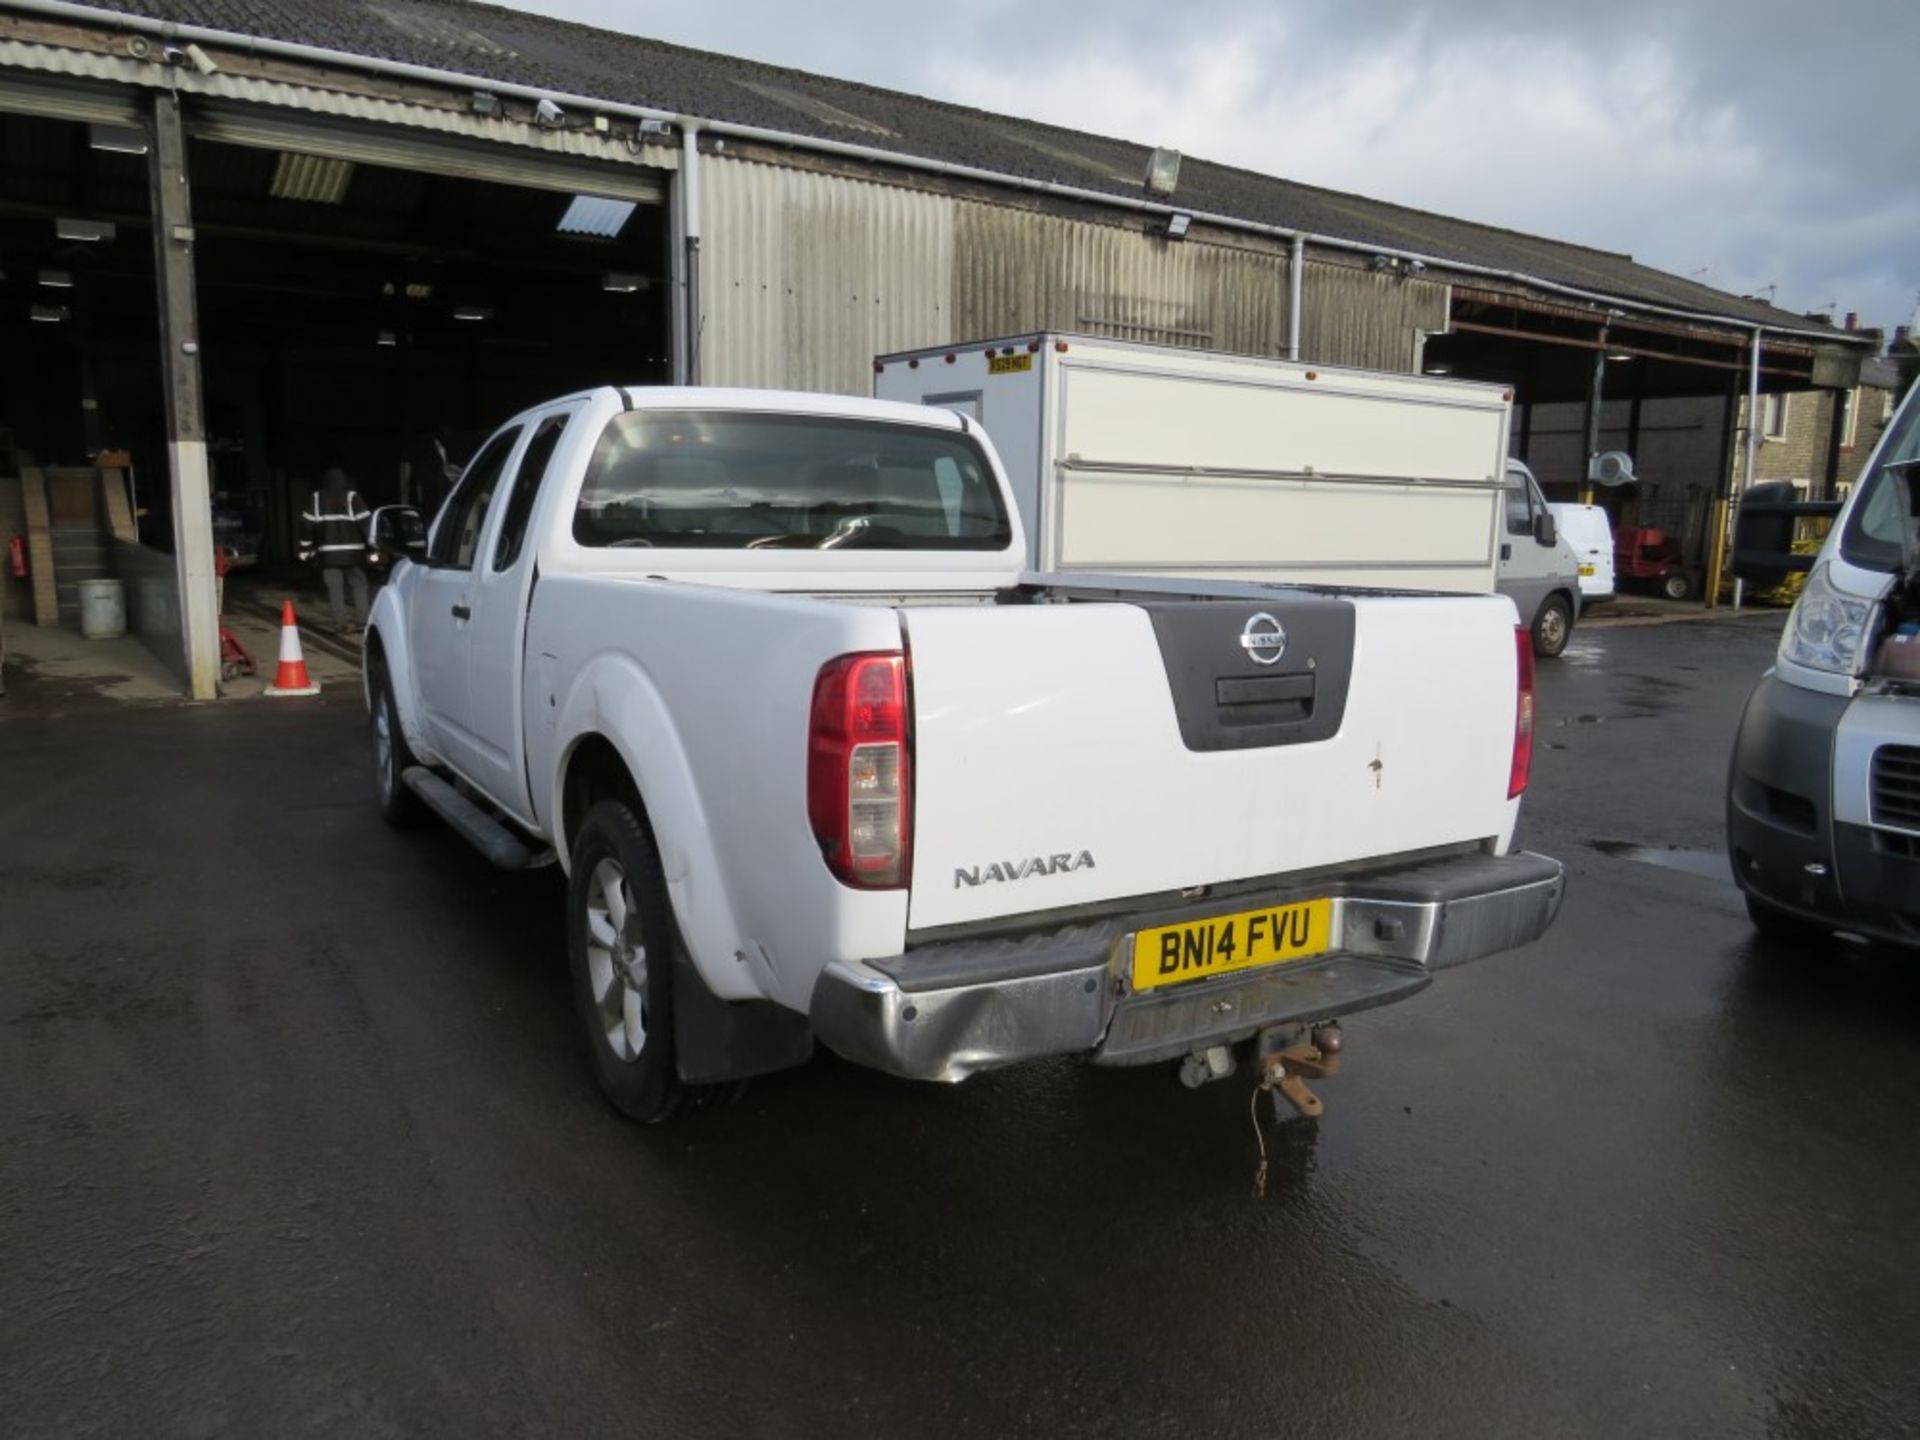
[1552,627]
[620,947]
[1782,925]
[399,806]
[1676,586]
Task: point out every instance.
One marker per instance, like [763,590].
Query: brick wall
[1801,453]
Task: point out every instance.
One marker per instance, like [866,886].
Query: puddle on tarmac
[1707,864]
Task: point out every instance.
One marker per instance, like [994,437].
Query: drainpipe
[1296,278]
[1716,565]
[1753,439]
[1594,391]
[686,260]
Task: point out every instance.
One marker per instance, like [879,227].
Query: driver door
[441,605]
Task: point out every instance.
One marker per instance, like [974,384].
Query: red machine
[1650,559]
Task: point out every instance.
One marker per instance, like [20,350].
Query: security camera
[202,61]
[548,113]
[1415,267]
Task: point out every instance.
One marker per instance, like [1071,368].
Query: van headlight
[1828,629]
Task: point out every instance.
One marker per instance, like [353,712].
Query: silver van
[1538,570]
[1823,800]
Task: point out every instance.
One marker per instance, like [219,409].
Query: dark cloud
[1763,141]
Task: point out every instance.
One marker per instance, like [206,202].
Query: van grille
[1896,786]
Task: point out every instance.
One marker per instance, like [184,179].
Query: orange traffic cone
[291,678]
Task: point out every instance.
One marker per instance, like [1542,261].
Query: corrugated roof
[513,47]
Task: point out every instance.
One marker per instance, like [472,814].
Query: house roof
[513,47]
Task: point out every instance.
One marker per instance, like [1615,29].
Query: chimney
[1853,320]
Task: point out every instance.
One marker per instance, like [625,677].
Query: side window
[526,485]
[458,533]
[1519,517]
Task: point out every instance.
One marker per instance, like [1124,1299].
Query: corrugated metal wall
[1356,317]
[806,276]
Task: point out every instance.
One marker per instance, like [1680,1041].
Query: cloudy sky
[1750,143]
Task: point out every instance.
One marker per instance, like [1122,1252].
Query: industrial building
[245,240]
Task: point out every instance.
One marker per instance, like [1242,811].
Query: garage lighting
[1439,370]
[121,139]
[1178,225]
[48,314]
[595,216]
[88,230]
[416,290]
[623,284]
[386,337]
[57,279]
[1619,355]
[473,312]
[317,179]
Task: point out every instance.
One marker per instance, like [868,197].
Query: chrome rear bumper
[945,1010]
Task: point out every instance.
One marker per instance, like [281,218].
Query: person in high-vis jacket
[333,530]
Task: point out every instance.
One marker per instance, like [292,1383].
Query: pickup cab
[765,674]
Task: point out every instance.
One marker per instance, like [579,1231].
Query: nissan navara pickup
[763,672]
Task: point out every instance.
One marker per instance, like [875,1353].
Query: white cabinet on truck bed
[1150,460]
[765,674]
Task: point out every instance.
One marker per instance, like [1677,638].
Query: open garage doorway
[384,320]
[369,298]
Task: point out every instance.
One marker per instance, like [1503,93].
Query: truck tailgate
[1068,754]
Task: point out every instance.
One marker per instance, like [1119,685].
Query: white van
[1538,569]
[1588,530]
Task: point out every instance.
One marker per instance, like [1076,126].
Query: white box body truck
[1148,460]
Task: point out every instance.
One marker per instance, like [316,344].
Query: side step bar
[474,825]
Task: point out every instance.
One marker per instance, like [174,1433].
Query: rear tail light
[859,780]
[1522,715]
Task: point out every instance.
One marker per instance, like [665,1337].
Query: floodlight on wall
[484,102]
[48,314]
[121,139]
[91,231]
[1163,171]
[472,312]
[57,279]
[1178,225]
[618,284]
[655,130]
[316,179]
[595,216]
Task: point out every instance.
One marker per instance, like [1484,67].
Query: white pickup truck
[764,673]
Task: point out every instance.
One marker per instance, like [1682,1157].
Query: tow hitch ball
[1286,1063]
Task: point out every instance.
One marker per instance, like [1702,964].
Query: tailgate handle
[1265,690]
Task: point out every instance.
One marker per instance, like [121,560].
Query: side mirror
[1545,530]
[397,531]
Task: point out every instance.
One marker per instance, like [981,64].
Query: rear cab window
[745,480]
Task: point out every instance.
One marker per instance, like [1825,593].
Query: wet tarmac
[295,1139]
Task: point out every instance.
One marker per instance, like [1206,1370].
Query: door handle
[462,612]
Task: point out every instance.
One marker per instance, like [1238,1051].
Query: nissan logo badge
[1264,639]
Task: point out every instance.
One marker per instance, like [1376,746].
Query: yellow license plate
[1009,364]
[1175,954]
[1586,569]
